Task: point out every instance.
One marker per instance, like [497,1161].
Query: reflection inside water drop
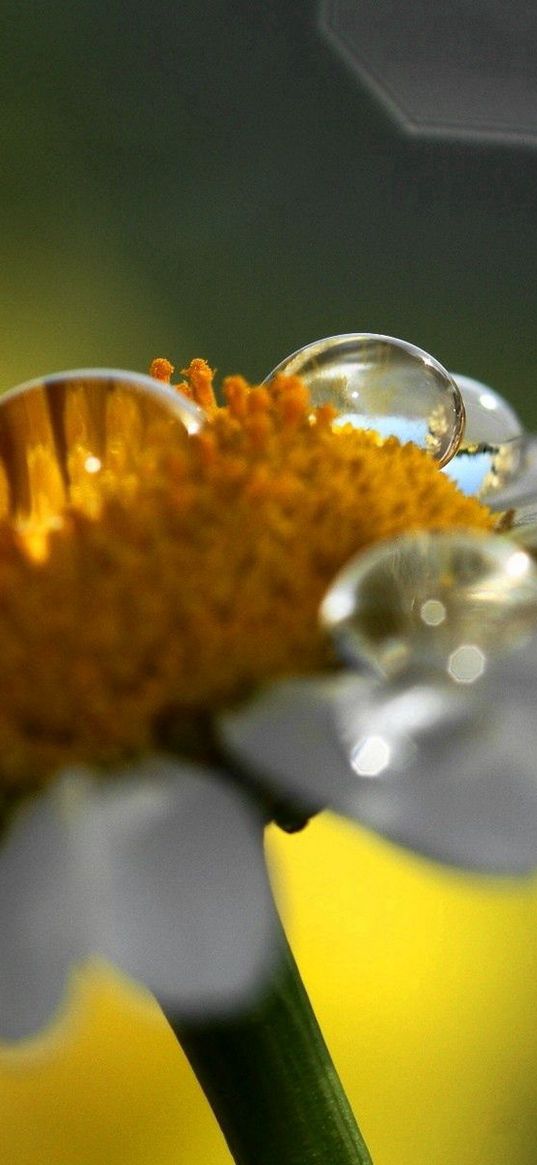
[62,436]
[490,453]
[383,384]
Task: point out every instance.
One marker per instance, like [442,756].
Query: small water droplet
[58,434]
[385,384]
[448,601]
[490,453]
[518,490]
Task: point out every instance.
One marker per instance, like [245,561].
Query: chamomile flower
[160,564]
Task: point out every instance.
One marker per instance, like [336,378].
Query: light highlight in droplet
[467,663]
[93,464]
[371,756]
[433,612]
[518,564]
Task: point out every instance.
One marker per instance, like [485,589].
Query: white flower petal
[463,792]
[435,767]
[173,860]
[288,737]
[39,918]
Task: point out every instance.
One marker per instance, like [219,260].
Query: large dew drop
[62,436]
[381,383]
[442,601]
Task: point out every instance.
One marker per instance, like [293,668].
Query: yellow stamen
[198,385]
[189,569]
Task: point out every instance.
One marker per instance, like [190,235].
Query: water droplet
[444,600]
[489,418]
[59,434]
[518,490]
[490,454]
[385,384]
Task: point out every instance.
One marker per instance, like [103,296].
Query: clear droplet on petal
[519,491]
[489,418]
[448,601]
[384,384]
[490,454]
[60,434]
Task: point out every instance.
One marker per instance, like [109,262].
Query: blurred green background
[181,179]
[212,179]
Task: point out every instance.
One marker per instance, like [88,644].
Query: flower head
[182,570]
[154,575]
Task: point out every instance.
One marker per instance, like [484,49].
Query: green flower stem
[271,1082]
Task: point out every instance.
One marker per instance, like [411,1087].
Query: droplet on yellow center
[65,437]
[382,384]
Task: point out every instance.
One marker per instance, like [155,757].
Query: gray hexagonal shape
[462,68]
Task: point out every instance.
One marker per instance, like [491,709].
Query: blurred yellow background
[424,983]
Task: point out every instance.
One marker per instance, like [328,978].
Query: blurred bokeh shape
[464,69]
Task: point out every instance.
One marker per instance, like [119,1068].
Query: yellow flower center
[187,569]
